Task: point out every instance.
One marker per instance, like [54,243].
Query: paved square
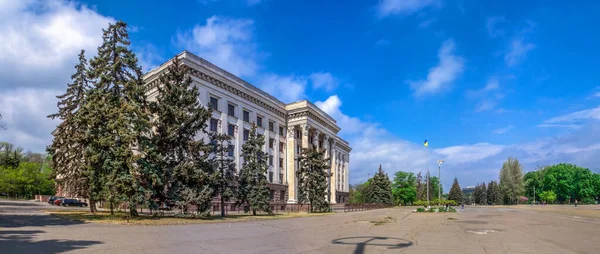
[475,230]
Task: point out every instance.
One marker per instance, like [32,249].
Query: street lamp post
[440,180]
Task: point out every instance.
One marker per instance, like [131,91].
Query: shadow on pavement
[19,203]
[26,220]
[382,241]
[22,241]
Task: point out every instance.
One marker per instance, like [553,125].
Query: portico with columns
[310,127]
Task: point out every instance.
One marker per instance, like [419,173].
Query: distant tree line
[115,145]
[562,183]
[24,174]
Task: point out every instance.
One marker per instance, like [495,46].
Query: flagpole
[427,167]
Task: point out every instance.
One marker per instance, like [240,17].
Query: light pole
[440,181]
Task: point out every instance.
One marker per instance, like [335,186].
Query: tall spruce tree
[68,146]
[174,168]
[420,188]
[118,117]
[380,189]
[224,167]
[312,179]
[253,191]
[455,193]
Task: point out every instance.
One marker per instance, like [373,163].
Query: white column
[290,153]
[333,186]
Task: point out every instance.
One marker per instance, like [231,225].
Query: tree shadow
[27,220]
[22,241]
[22,203]
[382,241]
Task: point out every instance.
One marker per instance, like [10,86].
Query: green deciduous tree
[253,191]
[455,193]
[224,167]
[68,146]
[10,156]
[548,196]
[358,193]
[511,180]
[404,187]
[174,168]
[312,179]
[380,189]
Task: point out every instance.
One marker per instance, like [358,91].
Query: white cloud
[471,163]
[518,50]
[43,38]
[225,42]
[24,112]
[492,24]
[40,41]
[503,130]
[567,126]
[148,57]
[427,23]
[440,77]
[403,7]
[587,115]
[489,96]
[469,153]
[323,80]
[285,88]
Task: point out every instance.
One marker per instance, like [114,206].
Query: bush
[424,203]
[588,201]
[420,209]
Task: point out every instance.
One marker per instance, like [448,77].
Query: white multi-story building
[286,127]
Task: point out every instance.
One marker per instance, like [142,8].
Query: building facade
[287,128]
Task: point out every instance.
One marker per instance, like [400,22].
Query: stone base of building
[342,197]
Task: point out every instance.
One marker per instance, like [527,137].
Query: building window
[231,110]
[271,126]
[231,149]
[259,121]
[281,162]
[231,130]
[271,142]
[281,145]
[270,160]
[271,178]
[214,103]
[272,195]
[282,195]
[280,130]
[246,134]
[213,124]
[298,134]
[246,116]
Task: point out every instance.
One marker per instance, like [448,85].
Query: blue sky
[481,81]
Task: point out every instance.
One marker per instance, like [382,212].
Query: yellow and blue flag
[425,143]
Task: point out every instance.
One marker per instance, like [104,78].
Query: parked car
[52,199]
[73,202]
[58,201]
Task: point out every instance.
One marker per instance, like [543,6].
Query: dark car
[73,202]
[52,199]
[58,201]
